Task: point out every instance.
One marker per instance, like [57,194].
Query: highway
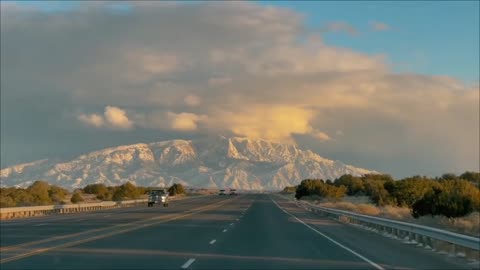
[251,231]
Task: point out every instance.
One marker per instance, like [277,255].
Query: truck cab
[158,196]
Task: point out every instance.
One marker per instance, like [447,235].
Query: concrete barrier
[33,211]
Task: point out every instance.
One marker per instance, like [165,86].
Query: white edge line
[188,263]
[331,240]
[213,241]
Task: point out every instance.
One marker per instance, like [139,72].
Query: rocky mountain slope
[219,163]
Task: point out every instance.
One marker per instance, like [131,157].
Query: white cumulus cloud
[91,119]
[113,117]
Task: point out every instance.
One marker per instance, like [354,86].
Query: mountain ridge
[219,162]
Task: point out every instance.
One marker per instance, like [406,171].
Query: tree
[39,192]
[57,194]
[7,201]
[76,198]
[125,191]
[354,185]
[22,197]
[176,189]
[473,177]
[307,187]
[102,192]
[449,176]
[318,187]
[453,198]
[96,189]
[407,191]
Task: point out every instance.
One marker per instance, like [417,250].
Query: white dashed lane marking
[213,242]
[188,263]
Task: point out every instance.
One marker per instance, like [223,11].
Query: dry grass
[466,225]
[368,209]
[340,205]
[469,224]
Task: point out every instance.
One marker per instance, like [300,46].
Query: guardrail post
[411,238]
[452,251]
[472,255]
[419,239]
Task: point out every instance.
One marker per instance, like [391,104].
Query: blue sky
[433,37]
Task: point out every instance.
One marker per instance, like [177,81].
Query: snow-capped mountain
[218,163]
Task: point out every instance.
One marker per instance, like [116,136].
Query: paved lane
[17,231]
[215,232]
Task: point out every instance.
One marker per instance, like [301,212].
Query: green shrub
[96,189]
[311,187]
[452,198]
[125,191]
[76,198]
[176,189]
[57,194]
[39,192]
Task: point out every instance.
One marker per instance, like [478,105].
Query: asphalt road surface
[251,231]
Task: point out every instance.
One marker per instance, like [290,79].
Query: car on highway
[158,196]
[221,192]
[233,191]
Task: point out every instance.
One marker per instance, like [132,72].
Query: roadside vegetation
[449,201]
[42,193]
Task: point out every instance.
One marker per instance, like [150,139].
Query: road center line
[188,263]
[330,239]
[213,241]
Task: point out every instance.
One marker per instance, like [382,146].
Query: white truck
[158,196]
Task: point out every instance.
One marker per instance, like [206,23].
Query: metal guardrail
[30,211]
[413,232]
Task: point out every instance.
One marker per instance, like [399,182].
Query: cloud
[322,136]
[237,68]
[117,117]
[270,122]
[113,117]
[91,119]
[340,27]
[218,81]
[192,100]
[379,26]
[184,121]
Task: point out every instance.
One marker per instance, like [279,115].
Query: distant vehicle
[158,196]
[222,192]
[233,191]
